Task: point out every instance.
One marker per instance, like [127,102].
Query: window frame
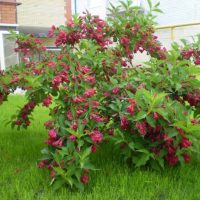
[2,53]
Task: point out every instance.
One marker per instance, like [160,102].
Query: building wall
[178,11]
[95,7]
[42,13]
[8,12]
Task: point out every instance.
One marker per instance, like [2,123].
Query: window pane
[11,57]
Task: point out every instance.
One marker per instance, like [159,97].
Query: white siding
[95,7]
[178,11]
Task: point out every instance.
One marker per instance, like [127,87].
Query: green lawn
[20,179]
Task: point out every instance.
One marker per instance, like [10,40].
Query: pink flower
[48,124]
[51,64]
[155,115]
[197,61]
[185,143]
[85,69]
[130,109]
[57,143]
[84,121]
[47,101]
[95,104]
[90,79]
[125,41]
[72,138]
[84,179]
[78,99]
[96,117]
[186,157]
[79,112]
[106,94]
[69,115]
[171,150]
[42,164]
[142,127]
[172,159]
[56,82]
[61,39]
[52,133]
[53,174]
[96,136]
[124,123]
[93,148]
[89,93]
[18,122]
[115,90]
[74,126]
[111,131]
[195,121]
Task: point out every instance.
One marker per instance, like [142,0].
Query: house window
[8,56]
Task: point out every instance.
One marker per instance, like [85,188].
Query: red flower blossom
[195,121]
[42,163]
[115,90]
[69,115]
[72,138]
[130,109]
[96,136]
[79,112]
[52,133]
[78,99]
[96,117]
[186,157]
[124,123]
[51,64]
[95,104]
[155,115]
[48,124]
[90,79]
[93,148]
[84,179]
[47,101]
[106,94]
[89,93]
[125,41]
[85,70]
[74,126]
[57,143]
[53,174]
[142,127]
[172,159]
[185,143]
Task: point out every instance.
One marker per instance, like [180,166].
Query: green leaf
[89,166]
[132,146]
[172,132]
[113,81]
[151,121]
[86,153]
[114,107]
[150,4]
[140,115]
[142,160]
[58,183]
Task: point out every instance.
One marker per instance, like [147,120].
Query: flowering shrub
[95,92]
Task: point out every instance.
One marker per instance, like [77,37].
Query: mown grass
[20,179]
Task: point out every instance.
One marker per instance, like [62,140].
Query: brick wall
[8,11]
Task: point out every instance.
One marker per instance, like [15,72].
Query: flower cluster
[23,117]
